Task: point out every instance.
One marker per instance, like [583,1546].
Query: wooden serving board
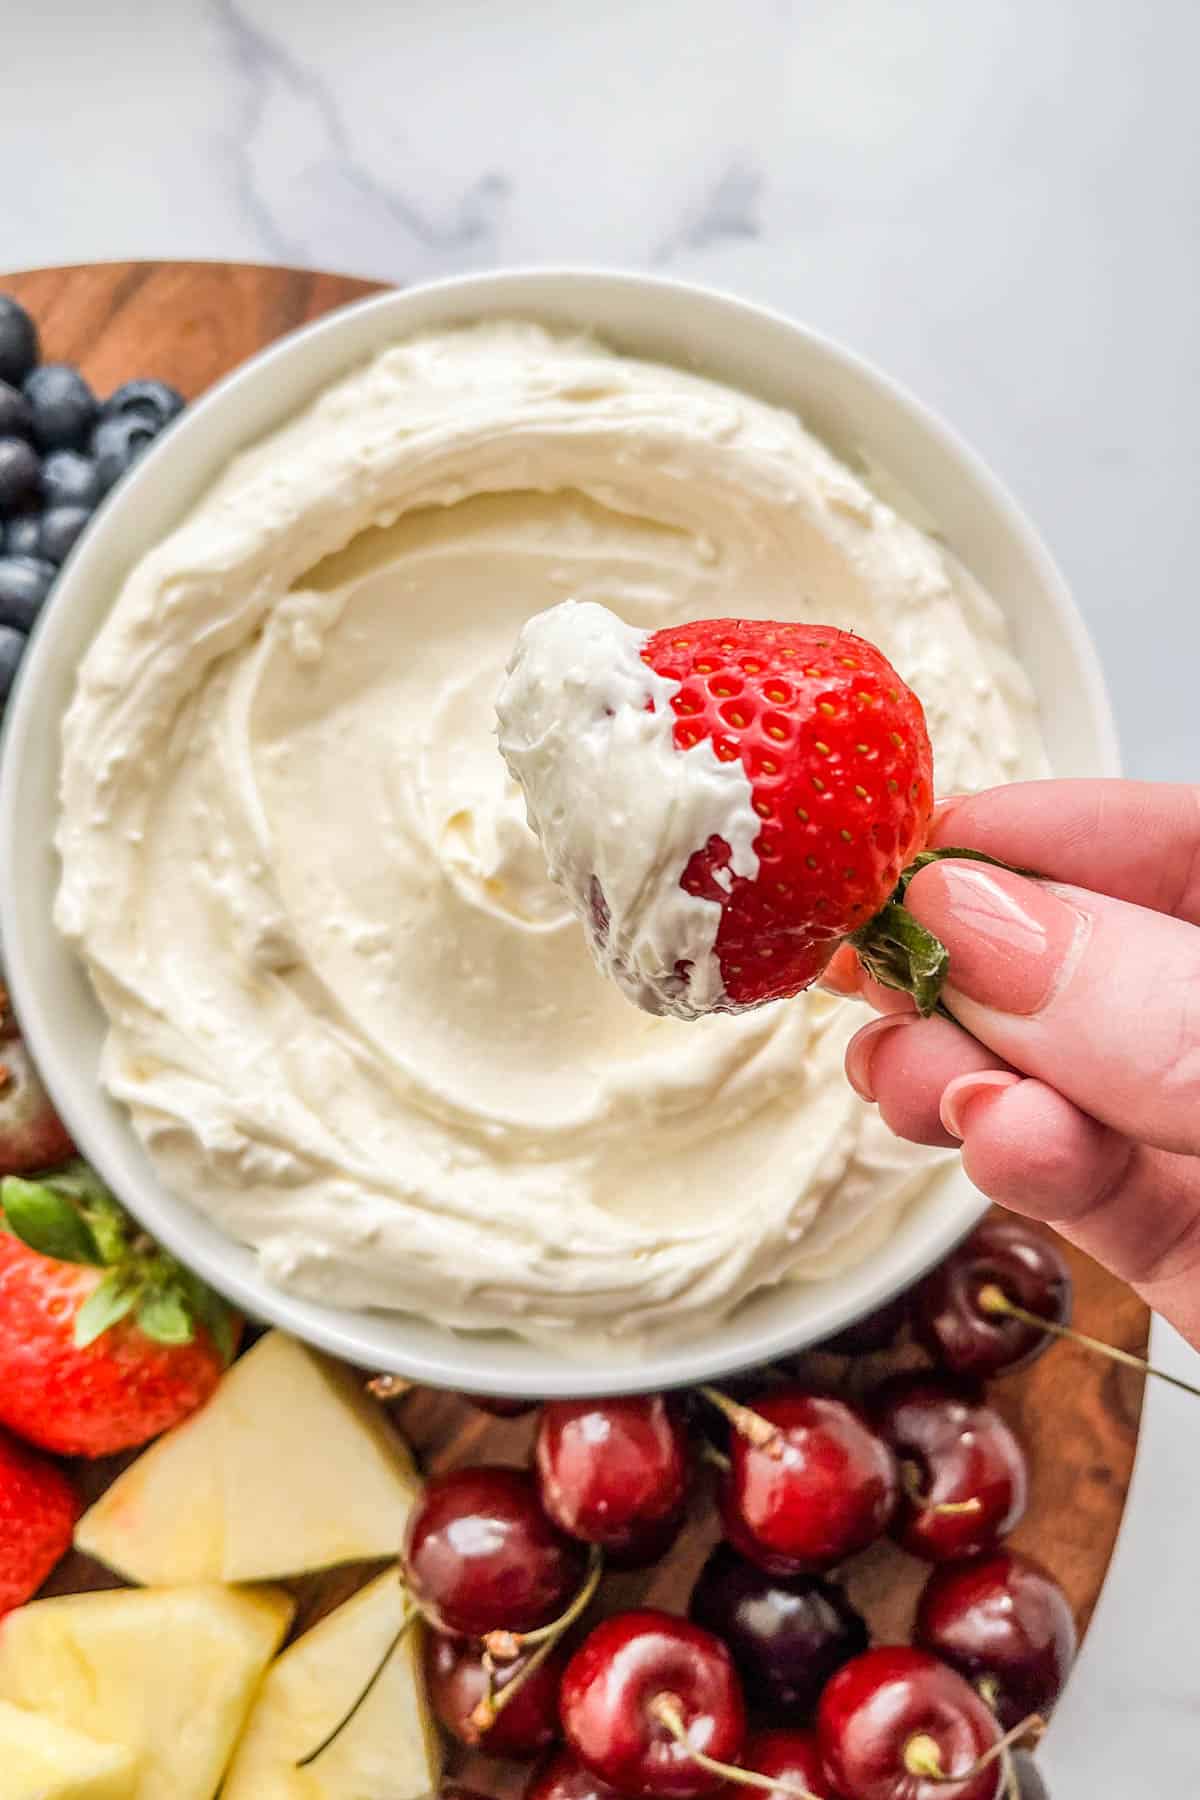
[1077,1416]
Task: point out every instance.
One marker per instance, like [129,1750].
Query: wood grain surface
[189,323]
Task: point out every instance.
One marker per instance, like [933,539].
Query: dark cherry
[563,1777]
[1027,1267]
[877,1331]
[787,1634]
[893,1717]
[793,1758]
[457,1681]
[480,1555]
[1005,1624]
[964,1478]
[614,1473]
[829,1493]
[1028,1776]
[623,1671]
[500,1406]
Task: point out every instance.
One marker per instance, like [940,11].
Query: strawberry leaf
[104,1307]
[47,1221]
[163,1315]
[106,1218]
[899,953]
[213,1313]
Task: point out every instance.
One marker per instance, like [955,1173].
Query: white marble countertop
[995,200]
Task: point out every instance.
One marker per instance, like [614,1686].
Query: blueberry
[24,583]
[20,468]
[18,341]
[16,414]
[117,444]
[69,479]
[23,535]
[61,525]
[12,649]
[64,407]
[149,399]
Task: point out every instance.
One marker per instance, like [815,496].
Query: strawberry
[32,1136]
[38,1511]
[105,1340]
[841,772]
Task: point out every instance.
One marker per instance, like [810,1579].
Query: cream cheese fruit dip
[351,1016]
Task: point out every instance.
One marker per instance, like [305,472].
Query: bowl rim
[464,1362]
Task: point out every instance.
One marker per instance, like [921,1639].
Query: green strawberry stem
[69,1216]
[898,952]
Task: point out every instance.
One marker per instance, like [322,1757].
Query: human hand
[1070,1072]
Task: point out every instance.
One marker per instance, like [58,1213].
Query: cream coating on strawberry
[588,730]
[723,801]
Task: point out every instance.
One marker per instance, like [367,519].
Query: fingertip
[1027,1147]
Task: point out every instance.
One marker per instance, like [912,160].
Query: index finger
[1134,840]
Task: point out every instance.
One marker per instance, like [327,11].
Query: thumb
[1096,997]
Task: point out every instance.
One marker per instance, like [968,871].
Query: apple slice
[169,1675]
[42,1760]
[390,1749]
[289,1467]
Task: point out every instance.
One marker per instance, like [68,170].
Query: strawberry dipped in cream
[725,802]
[351,1016]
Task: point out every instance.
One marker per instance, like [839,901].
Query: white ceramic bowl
[859,413]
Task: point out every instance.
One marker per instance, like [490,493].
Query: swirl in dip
[349,1014]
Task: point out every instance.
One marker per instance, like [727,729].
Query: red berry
[137,1376]
[629,1666]
[829,1493]
[892,1711]
[841,771]
[614,1473]
[563,1777]
[1001,1621]
[1026,1266]
[38,1510]
[480,1555]
[791,1757]
[457,1682]
[964,1479]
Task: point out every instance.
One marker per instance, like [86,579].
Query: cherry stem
[718,1459]
[406,1625]
[923,1756]
[668,1711]
[910,1475]
[995,1302]
[503,1646]
[746,1422]
[389,1387]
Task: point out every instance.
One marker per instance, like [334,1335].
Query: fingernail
[1010,939]
[965,1089]
[862,1047]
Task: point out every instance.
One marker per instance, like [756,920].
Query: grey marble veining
[994,199]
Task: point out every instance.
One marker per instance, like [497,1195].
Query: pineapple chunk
[290,1467]
[390,1750]
[170,1676]
[45,1761]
